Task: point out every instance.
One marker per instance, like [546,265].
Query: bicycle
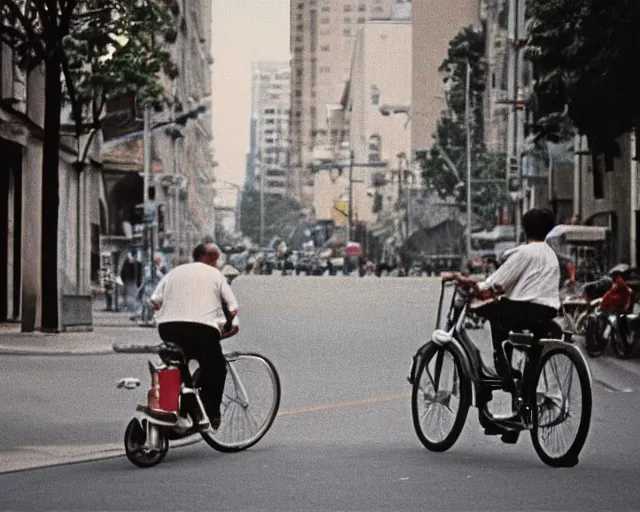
[610,328]
[540,403]
[175,411]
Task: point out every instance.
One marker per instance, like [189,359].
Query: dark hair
[199,251]
[537,223]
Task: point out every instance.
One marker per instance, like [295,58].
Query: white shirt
[531,273]
[194,292]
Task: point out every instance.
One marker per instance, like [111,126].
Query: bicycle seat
[171,352]
[542,329]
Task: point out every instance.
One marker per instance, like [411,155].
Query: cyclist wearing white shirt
[529,284]
[194,304]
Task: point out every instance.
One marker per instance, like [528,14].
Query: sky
[243,31]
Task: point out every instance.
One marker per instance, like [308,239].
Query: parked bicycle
[619,330]
[174,409]
[448,375]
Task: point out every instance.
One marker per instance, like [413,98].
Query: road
[344,438]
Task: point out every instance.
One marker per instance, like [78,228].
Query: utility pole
[147,207]
[467,109]
[515,112]
[261,207]
[350,214]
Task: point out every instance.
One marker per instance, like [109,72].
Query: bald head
[207,253]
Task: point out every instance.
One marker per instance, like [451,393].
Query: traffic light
[513,184]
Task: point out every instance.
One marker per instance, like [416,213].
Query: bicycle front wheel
[562,406]
[440,398]
[249,404]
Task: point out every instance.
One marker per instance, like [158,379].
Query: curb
[91,457]
[11,351]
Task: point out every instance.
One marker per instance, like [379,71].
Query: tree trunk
[50,194]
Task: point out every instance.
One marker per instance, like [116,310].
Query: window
[361,20]
[299,17]
[375,95]
[346,32]
[347,19]
[347,8]
[326,8]
[269,111]
[300,5]
[324,48]
[325,69]
[300,26]
[324,21]
[298,93]
[299,72]
[362,7]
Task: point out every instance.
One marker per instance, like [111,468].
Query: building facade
[379,82]
[269,125]
[435,23]
[21,135]
[181,163]
[322,38]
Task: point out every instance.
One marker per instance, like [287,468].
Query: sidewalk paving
[99,341]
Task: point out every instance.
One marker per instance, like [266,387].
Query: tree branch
[71,89]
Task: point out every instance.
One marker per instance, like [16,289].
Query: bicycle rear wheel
[249,404]
[622,339]
[561,416]
[440,398]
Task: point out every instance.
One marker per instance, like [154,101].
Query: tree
[449,152]
[112,52]
[281,215]
[73,39]
[584,54]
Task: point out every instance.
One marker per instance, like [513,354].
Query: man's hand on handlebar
[470,286]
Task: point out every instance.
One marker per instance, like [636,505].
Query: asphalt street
[343,439]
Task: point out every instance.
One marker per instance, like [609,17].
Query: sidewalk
[107,326]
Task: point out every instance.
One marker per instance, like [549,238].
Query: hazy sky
[243,31]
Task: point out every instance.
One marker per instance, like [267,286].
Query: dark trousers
[507,315]
[202,343]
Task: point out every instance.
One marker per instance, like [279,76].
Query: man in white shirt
[194,304]
[528,282]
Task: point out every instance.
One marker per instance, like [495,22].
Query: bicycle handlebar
[461,280]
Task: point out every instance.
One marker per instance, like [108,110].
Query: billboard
[340,213]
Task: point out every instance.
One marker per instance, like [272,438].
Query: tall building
[379,83]
[269,125]
[322,38]
[435,23]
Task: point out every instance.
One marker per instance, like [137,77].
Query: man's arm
[508,273]
[158,294]
[228,298]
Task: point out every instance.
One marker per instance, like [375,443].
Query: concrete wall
[435,23]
